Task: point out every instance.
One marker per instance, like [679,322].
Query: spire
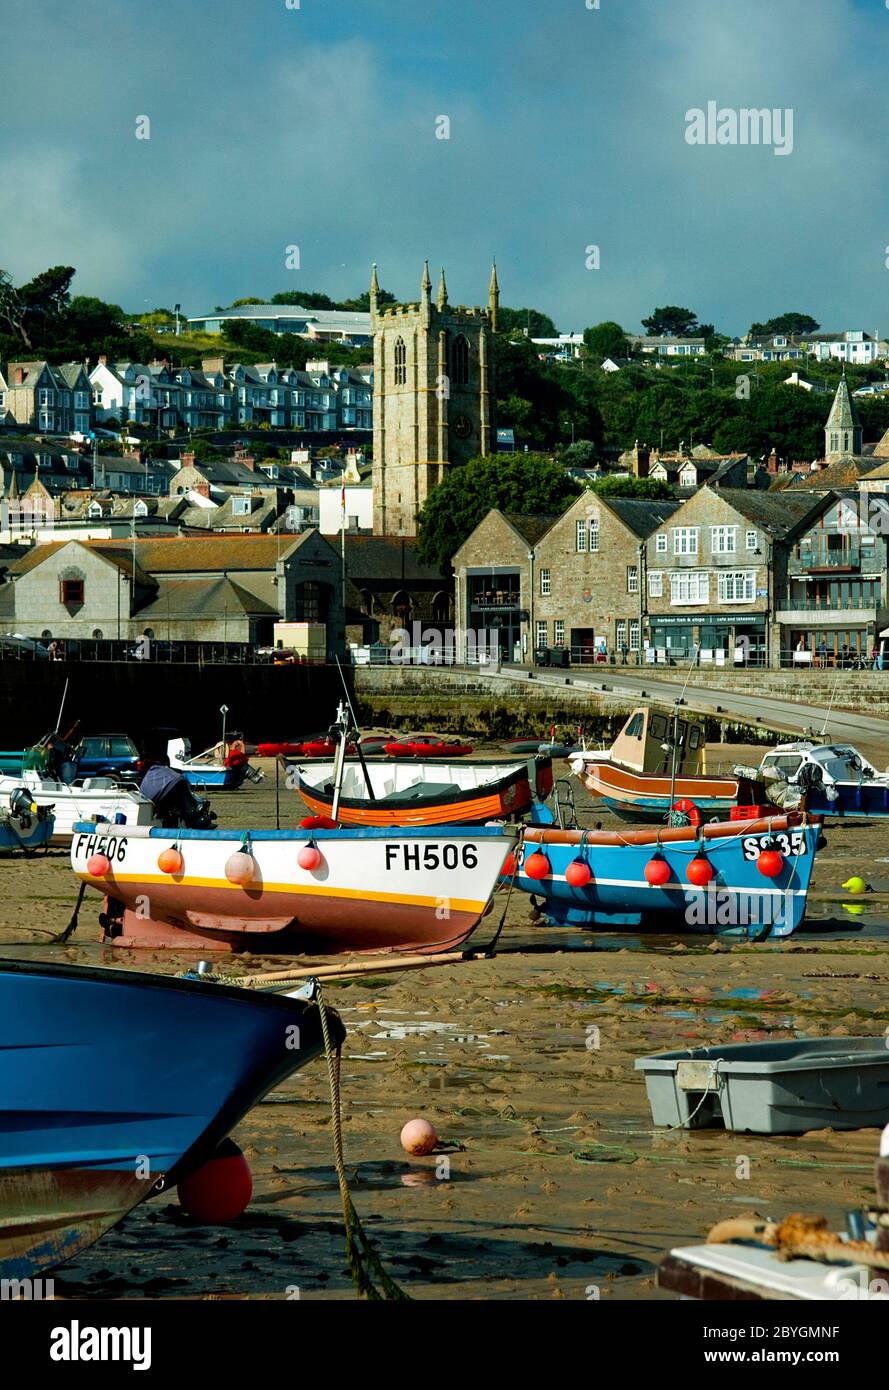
[374,288]
[843,432]
[12,490]
[442,298]
[493,296]
[426,282]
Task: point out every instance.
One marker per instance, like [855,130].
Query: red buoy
[509,866]
[170,861]
[220,1189]
[309,857]
[98,865]
[537,866]
[770,863]
[700,871]
[317,823]
[578,873]
[657,871]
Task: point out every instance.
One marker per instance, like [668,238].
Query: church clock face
[462,427]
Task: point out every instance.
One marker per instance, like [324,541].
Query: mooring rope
[364,1262]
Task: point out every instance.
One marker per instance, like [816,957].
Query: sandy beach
[560,1188]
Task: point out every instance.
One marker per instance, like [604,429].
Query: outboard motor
[175,801]
[21,806]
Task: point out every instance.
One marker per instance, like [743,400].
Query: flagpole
[343,553]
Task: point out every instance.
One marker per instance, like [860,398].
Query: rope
[364,1262]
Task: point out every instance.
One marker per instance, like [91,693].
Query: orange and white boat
[415,793]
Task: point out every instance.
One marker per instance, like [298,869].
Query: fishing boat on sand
[224,767]
[417,793]
[656,761]
[119,1084]
[24,825]
[94,799]
[828,779]
[747,879]
[354,888]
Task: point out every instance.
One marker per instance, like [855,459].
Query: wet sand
[562,1188]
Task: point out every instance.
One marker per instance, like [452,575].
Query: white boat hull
[72,804]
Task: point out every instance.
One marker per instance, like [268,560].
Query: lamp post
[223,710]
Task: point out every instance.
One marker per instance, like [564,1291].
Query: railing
[141,652]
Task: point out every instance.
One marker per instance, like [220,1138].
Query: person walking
[822,653]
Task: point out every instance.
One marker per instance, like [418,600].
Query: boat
[224,767]
[120,1083]
[348,889]
[747,879]
[24,825]
[322,746]
[416,793]
[828,779]
[93,799]
[657,761]
[425,746]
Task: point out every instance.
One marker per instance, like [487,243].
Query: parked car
[107,755]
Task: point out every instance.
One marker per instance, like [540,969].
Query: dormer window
[240,506]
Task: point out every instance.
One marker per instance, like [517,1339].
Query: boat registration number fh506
[115,846]
[431,856]
[785,842]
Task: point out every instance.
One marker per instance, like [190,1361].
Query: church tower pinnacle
[442,297]
[493,297]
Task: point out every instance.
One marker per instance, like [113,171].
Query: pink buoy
[578,873]
[240,867]
[98,865]
[537,866]
[170,861]
[418,1137]
[309,857]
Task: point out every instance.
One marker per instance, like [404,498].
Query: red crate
[751,812]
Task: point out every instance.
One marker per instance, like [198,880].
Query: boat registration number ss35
[431,856]
[786,843]
[114,846]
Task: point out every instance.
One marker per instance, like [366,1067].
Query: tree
[237,303]
[538,325]
[581,454]
[528,483]
[791,324]
[606,339]
[361,305]
[304,299]
[612,486]
[259,345]
[671,321]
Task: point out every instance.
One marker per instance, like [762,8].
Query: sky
[317,127]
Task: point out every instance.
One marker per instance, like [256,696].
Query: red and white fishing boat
[350,889]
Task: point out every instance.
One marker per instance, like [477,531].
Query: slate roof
[844,412]
[530,528]
[845,471]
[776,512]
[387,557]
[211,596]
[642,515]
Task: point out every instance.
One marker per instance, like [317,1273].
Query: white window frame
[655,583]
[620,634]
[542,633]
[752,540]
[632,579]
[635,635]
[689,588]
[728,583]
[545,583]
[660,543]
[580,537]
[559,632]
[594,535]
[685,540]
[724,540]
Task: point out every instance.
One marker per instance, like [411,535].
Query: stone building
[388,587]
[433,396]
[495,581]
[714,575]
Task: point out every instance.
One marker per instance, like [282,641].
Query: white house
[359,508]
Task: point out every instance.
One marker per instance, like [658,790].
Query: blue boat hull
[16,836]
[113,1082]
[739,901]
[859,800]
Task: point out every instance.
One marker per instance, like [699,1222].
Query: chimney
[641,458]
[19,376]
[772,464]
[186,461]
[102,359]
[213,364]
[241,456]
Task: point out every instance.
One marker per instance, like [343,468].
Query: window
[685,540]
[634,635]
[97,634]
[71,591]
[621,636]
[545,583]
[541,635]
[635,726]
[737,586]
[400,363]
[752,539]
[834,443]
[594,534]
[632,579]
[240,506]
[723,539]
[655,583]
[692,586]
[460,361]
[559,633]
[660,543]
[581,536]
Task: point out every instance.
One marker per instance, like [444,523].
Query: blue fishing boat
[827,779]
[115,1083]
[742,879]
[25,826]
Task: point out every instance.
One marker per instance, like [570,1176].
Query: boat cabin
[645,744]
[839,762]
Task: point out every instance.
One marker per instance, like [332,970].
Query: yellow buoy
[853,909]
[856,885]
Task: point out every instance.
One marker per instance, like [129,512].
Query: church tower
[433,396]
[843,432]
